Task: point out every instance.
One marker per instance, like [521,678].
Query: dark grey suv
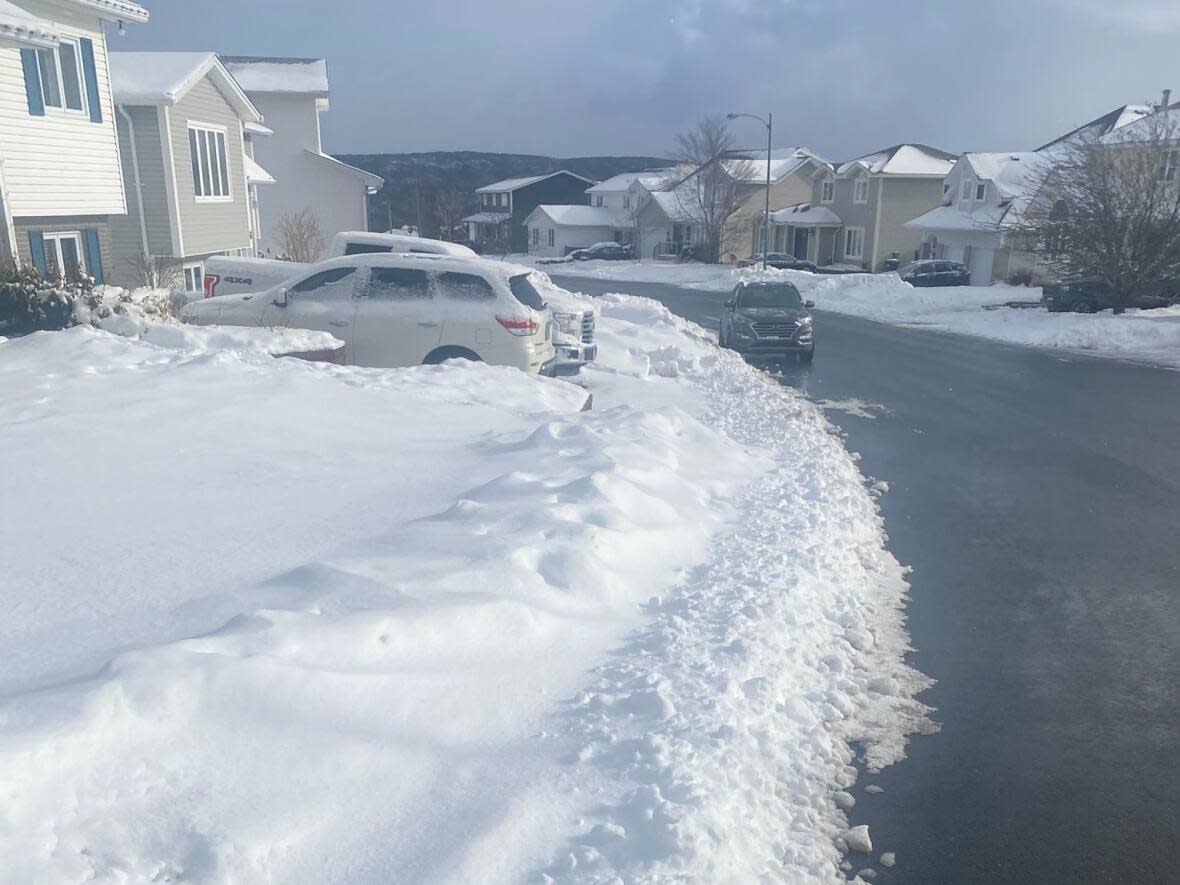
[767,319]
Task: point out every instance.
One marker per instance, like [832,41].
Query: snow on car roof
[499,270]
[277,74]
[22,27]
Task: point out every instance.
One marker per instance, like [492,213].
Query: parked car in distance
[935,272]
[393,310]
[605,252]
[1092,296]
[226,275]
[767,319]
[779,261]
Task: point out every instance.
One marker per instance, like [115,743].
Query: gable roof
[1011,173]
[579,216]
[671,205]
[115,10]
[25,28]
[783,162]
[371,181]
[1163,124]
[911,160]
[279,74]
[1096,128]
[513,184]
[164,78]
[1017,178]
[649,178]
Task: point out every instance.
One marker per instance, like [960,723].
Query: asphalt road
[1038,500]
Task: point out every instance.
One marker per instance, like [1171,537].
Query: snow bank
[273,621]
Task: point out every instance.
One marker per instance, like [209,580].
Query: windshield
[770,295]
[525,292]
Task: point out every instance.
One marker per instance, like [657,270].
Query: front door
[800,247]
[398,319]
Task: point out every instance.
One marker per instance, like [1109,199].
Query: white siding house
[60,175]
[291,93]
[191,185]
[555,231]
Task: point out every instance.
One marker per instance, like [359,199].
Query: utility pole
[769,124]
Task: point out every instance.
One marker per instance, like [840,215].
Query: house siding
[740,235]
[904,199]
[559,190]
[126,242]
[209,226]
[60,164]
[45,224]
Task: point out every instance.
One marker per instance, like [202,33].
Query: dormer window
[860,192]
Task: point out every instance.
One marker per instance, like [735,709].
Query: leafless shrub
[156,271]
[300,237]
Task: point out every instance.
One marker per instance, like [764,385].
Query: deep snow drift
[1147,335]
[273,621]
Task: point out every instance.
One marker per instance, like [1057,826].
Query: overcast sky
[843,77]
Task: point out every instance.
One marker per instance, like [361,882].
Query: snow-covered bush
[32,303]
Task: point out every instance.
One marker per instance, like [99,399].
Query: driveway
[1038,500]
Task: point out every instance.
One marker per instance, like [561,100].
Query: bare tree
[1109,209]
[448,205]
[300,238]
[156,271]
[714,181]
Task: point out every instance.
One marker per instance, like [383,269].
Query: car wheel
[1082,306]
[806,356]
[722,341]
[441,354]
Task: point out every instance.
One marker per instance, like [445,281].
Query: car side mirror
[809,304]
[281,298]
[730,303]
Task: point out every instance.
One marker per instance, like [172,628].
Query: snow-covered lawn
[1147,335]
[269,621]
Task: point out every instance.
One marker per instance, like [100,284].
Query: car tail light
[519,325]
[211,281]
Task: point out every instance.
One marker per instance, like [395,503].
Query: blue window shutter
[28,61]
[37,251]
[93,253]
[91,79]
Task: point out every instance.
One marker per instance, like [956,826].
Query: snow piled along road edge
[389,710]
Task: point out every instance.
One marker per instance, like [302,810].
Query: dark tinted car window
[365,249]
[322,279]
[770,295]
[398,282]
[465,285]
[525,292]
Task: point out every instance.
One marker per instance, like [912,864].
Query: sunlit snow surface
[278,622]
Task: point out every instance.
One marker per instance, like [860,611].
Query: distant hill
[415,184]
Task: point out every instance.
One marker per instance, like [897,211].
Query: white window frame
[51,240]
[60,83]
[207,133]
[827,191]
[188,269]
[552,237]
[966,189]
[860,232]
[626,201]
[980,191]
[1170,168]
[861,181]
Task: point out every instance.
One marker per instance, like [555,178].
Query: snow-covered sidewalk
[273,621]
[1145,335]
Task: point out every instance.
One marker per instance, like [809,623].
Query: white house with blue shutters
[61,181]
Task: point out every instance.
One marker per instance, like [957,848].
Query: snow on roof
[1163,125]
[255,174]
[292,75]
[649,178]
[164,78]
[512,184]
[1013,174]
[25,28]
[581,216]
[258,129]
[116,10]
[783,162]
[1109,122]
[805,214]
[674,205]
[370,180]
[904,159]
[979,218]
[488,217]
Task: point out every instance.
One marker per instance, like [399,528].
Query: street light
[769,124]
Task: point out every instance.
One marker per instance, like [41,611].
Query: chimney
[1167,103]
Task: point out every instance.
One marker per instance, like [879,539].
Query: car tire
[441,354]
[1082,306]
[806,356]
[722,341]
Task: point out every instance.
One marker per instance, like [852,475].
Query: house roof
[1162,124]
[255,174]
[164,78]
[513,184]
[1109,122]
[488,217]
[649,178]
[1017,178]
[116,10]
[373,182]
[25,28]
[910,160]
[980,218]
[1013,174]
[672,205]
[783,162]
[806,215]
[300,76]
[579,216]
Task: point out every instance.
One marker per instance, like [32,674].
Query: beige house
[792,171]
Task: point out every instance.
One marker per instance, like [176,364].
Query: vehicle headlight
[568,323]
[805,322]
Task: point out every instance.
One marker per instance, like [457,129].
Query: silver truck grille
[587,328]
[775,330]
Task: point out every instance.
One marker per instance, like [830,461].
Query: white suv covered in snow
[403,310]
